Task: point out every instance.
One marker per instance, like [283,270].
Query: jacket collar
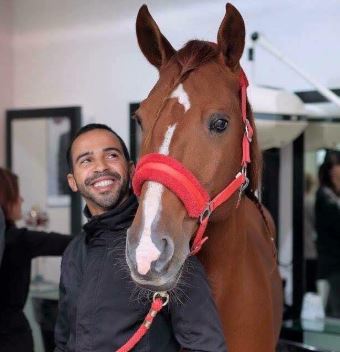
[114,220]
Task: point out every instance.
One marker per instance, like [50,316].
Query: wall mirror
[37,140]
[321,252]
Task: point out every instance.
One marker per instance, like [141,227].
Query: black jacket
[327,224]
[21,246]
[100,307]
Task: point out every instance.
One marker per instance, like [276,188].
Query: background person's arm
[40,243]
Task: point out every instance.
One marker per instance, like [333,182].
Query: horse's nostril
[167,251]
[164,244]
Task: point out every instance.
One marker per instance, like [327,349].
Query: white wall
[6,69]
[92,62]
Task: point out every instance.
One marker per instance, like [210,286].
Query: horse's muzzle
[155,272]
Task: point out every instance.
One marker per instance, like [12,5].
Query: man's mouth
[103,184]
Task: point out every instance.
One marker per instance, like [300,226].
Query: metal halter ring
[244,185]
[244,171]
[163,295]
[205,213]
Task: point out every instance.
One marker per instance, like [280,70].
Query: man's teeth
[103,183]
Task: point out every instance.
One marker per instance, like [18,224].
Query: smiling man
[100,307]
[101,168]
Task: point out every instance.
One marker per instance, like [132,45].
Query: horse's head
[193,115]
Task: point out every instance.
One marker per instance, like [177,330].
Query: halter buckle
[247,130]
[246,179]
[244,185]
[205,213]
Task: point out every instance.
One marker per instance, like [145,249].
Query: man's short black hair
[90,127]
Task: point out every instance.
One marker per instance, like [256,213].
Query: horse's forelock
[194,54]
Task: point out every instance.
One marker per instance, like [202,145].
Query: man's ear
[72,182]
[132,169]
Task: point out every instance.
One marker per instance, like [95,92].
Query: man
[100,307]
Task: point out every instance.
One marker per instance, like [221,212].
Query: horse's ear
[231,37]
[153,44]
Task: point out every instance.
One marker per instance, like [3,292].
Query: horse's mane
[197,53]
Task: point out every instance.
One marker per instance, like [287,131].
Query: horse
[199,152]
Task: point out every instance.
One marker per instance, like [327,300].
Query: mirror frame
[73,113]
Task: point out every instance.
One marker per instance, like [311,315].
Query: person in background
[327,223]
[100,307]
[310,253]
[21,246]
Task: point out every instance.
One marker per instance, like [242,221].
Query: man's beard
[106,200]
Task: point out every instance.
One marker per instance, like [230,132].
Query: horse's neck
[237,247]
[227,242]
[242,272]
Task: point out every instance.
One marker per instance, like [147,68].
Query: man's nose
[101,165]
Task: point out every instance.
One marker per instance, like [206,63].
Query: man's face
[100,171]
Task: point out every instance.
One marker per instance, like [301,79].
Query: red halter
[174,176]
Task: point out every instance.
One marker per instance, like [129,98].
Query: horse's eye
[218,125]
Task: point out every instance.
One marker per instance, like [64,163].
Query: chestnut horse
[194,117]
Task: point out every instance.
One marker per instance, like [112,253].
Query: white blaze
[146,251]
[182,97]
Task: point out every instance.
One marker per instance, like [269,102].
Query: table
[323,333]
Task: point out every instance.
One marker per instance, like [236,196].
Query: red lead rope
[156,306]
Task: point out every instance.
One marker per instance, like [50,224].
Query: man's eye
[85,161]
[112,155]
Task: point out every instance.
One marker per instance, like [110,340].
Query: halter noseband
[177,178]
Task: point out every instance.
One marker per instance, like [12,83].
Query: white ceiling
[307,31]
[30,15]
